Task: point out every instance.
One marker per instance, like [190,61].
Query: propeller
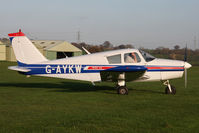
[186,66]
[185,78]
[185,69]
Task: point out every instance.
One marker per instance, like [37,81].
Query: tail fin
[24,50]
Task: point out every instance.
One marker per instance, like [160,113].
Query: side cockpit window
[115,59]
[132,57]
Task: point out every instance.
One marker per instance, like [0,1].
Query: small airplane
[120,66]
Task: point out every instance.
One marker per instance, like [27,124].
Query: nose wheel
[169,89]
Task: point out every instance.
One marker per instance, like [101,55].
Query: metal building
[50,49]
[2,52]
[56,49]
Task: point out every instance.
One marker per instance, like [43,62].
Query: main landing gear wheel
[122,90]
[121,87]
[173,90]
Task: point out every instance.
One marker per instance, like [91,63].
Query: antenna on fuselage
[86,50]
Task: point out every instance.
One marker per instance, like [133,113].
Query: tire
[173,89]
[122,90]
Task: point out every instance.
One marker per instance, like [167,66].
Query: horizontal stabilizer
[20,69]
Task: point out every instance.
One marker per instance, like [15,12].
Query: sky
[142,23]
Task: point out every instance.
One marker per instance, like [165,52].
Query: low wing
[19,69]
[131,73]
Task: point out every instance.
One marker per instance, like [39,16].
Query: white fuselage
[77,68]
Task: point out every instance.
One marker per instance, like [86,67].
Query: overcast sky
[143,23]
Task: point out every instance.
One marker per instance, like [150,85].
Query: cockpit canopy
[129,57]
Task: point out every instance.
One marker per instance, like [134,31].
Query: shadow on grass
[73,87]
[148,91]
[60,87]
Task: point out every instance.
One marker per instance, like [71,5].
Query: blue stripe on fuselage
[75,69]
[11,38]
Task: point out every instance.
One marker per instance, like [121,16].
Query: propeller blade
[185,54]
[185,67]
[185,78]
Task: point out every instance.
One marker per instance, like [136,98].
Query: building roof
[4,43]
[50,45]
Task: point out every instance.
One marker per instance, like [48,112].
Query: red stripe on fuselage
[149,68]
[99,67]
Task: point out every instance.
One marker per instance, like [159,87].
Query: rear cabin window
[115,59]
[131,58]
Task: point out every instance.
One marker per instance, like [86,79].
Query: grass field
[39,104]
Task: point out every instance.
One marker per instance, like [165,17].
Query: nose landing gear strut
[169,89]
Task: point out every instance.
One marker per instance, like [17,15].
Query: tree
[176,47]
[129,46]
[107,44]
[122,46]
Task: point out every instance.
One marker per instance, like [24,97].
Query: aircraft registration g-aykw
[120,66]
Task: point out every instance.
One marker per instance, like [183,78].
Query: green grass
[39,104]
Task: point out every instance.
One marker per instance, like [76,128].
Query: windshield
[147,56]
